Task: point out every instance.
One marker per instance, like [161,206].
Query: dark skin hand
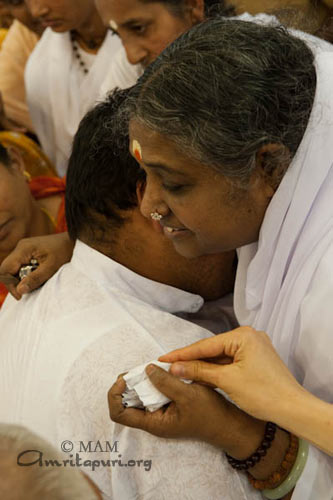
[198,412]
[51,252]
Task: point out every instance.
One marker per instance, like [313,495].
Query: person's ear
[196,10]
[16,160]
[272,162]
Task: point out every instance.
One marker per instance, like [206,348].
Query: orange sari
[43,187]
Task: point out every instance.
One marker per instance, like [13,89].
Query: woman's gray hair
[37,482]
[226,88]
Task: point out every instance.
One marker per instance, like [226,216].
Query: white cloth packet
[140,392]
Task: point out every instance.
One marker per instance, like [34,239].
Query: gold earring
[27,176]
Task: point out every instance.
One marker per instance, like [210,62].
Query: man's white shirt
[63,347]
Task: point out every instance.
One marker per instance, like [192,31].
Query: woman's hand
[195,412]
[255,377]
[50,251]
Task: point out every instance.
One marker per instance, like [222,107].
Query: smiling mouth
[175,232]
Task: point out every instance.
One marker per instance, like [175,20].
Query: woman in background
[145,28]
[65,71]
[28,206]
[19,43]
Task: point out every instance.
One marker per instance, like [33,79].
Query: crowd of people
[166,249]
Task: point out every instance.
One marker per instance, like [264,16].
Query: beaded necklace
[77,54]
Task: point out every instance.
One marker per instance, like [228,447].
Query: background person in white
[102,313]
[65,71]
[145,28]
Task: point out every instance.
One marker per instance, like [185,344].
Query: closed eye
[173,188]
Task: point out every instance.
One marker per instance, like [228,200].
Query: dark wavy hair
[102,175]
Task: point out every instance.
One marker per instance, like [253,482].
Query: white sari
[122,74]
[284,282]
[57,96]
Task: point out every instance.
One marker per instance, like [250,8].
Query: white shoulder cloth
[274,274]
[57,97]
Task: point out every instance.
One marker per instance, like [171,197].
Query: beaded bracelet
[289,483]
[251,461]
[278,476]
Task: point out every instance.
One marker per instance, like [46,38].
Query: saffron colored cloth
[44,187]
[36,162]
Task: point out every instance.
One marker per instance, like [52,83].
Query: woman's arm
[309,418]
[258,381]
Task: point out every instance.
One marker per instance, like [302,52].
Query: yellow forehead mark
[137,151]
[113,25]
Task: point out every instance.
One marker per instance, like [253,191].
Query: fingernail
[178,370]
[150,369]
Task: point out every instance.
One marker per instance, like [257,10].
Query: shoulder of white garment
[121,73]
[314,347]
[115,278]
[314,358]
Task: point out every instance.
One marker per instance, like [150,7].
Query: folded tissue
[140,392]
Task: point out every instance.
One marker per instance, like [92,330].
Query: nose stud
[156,216]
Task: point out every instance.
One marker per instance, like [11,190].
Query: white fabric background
[57,96]
[284,282]
[62,348]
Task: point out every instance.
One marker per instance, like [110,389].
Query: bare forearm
[309,418]
[246,439]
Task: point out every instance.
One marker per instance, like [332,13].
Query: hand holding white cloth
[140,392]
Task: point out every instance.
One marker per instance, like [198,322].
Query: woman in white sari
[233,127]
[65,71]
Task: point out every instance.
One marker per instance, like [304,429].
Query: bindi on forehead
[136,149]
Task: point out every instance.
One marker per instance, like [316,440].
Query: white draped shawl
[57,97]
[274,274]
[284,283]
[122,74]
